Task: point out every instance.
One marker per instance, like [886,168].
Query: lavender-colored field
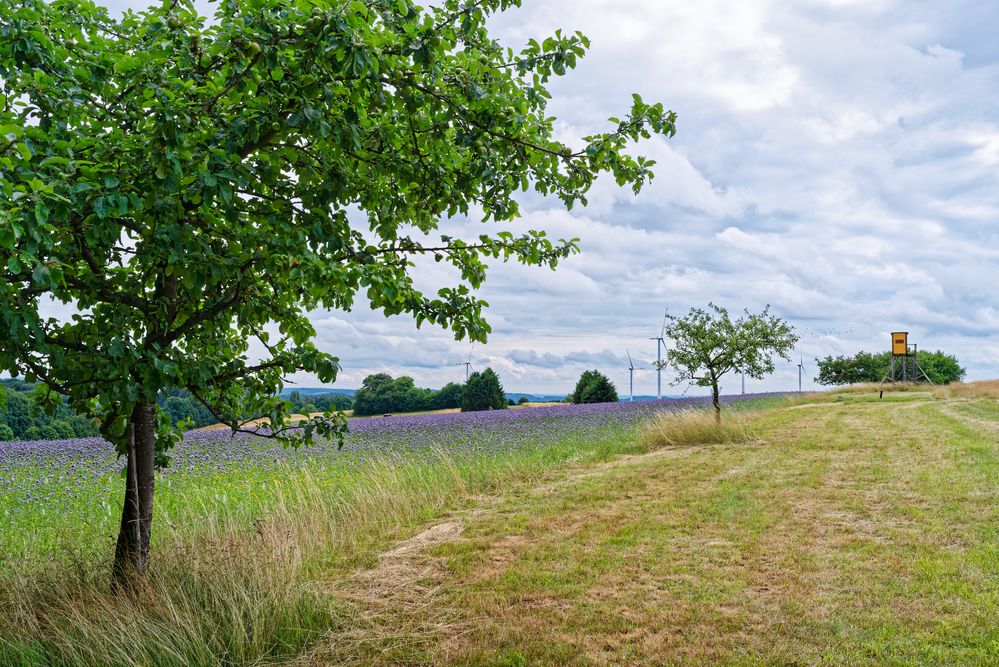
[78,481]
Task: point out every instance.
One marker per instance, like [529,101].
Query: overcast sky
[836,159]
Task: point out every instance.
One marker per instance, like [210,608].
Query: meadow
[61,498]
[834,528]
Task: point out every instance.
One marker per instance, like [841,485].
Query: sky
[835,159]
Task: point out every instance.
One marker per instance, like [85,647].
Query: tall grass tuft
[226,596]
[694,427]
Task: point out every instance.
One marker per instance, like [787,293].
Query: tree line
[380,393]
[940,367]
[21,420]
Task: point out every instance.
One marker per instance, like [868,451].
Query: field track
[851,532]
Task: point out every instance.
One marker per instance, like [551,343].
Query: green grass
[239,557]
[844,533]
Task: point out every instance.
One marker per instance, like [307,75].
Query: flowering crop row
[48,487]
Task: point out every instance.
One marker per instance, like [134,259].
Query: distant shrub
[523,400]
[6,433]
[380,394]
[48,432]
[593,387]
[63,429]
[483,391]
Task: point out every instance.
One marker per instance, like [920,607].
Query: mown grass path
[851,532]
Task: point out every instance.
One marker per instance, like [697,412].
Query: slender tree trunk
[715,401]
[131,554]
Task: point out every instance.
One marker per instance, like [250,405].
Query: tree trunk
[716,402]
[131,554]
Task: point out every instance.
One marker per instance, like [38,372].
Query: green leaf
[41,212]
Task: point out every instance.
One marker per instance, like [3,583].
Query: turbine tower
[660,342]
[631,377]
[467,364]
[801,367]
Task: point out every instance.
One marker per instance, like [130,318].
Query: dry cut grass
[983,389]
[695,427]
[874,387]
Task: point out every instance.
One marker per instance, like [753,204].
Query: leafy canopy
[380,393]
[192,189]
[940,367]
[707,344]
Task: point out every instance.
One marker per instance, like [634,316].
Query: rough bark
[716,401]
[131,554]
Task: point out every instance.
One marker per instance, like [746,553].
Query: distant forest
[181,406]
[379,394]
[20,420]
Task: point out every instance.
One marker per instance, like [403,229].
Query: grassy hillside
[847,531]
[833,528]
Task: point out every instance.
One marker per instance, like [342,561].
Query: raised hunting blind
[904,365]
[900,343]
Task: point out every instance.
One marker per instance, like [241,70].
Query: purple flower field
[81,478]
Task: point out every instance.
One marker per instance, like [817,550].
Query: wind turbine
[801,367]
[631,377]
[660,342]
[467,364]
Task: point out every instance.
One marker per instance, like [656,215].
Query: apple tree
[187,190]
[707,344]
